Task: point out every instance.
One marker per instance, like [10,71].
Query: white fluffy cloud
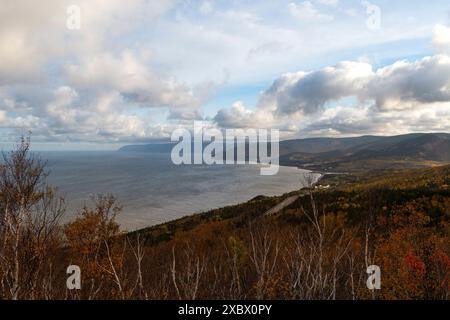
[130,75]
[239,116]
[402,85]
[353,98]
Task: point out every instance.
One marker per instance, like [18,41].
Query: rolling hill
[352,154]
[369,152]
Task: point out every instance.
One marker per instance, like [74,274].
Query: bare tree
[264,256]
[235,252]
[186,280]
[138,253]
[30,212]
[314,258]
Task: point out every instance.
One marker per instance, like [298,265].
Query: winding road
[283,204]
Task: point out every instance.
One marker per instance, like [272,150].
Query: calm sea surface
[152,190]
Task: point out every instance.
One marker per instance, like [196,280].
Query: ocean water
[153,190]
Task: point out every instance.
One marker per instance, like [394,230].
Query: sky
[99,74]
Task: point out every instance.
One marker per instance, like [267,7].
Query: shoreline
[151,207]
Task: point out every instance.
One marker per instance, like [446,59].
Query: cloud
[307,12]
[362,120]
[352,98]
[306,92]
[402,85]
[136,69]
[28,39]
[441,37]
[268,48]
[239,116]
[185,114]
[130,75]
[87,84]
[328,2]
[99,119]
[405,85]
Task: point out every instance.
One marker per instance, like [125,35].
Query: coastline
[149,199]
[236,204]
